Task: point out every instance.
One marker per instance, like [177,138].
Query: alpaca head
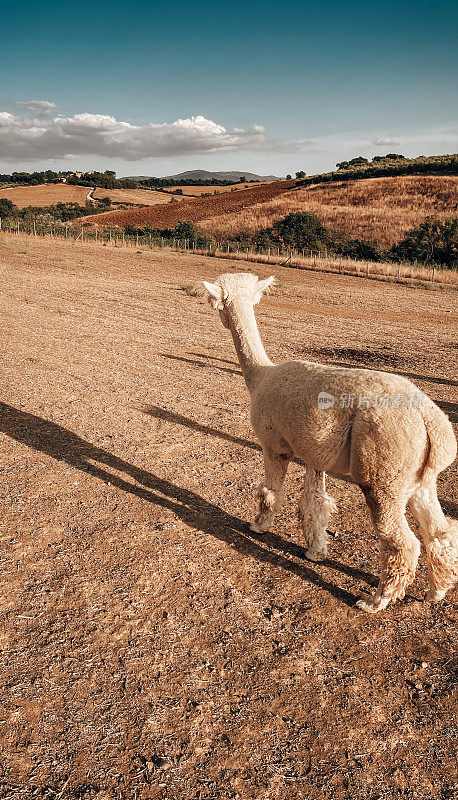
[231,287]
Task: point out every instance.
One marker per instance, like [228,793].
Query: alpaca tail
[442,441]
[440,538]
[439,533]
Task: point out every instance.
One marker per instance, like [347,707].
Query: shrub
[7,208]
[435,241]
[300,230]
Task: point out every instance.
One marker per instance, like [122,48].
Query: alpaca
[393,447]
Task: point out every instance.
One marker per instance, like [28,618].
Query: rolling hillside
[377,209]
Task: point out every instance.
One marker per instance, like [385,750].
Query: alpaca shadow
[179,419]
[214,358]
[450,507]
[451,409]
[202,364]
[196,512]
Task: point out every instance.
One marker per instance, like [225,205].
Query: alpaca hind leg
[440,537]
[400,550]
[269,492]
[315,509]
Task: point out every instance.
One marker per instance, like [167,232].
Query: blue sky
[258,86]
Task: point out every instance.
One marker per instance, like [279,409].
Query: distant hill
[205,175]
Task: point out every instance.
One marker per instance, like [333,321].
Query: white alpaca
[394,452]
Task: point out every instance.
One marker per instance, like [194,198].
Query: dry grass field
[151,646]
[197,191]
[377,209]
[47,194]
[138,197]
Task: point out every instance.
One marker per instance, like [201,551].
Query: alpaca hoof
[435,595]
[258,529]
[316,555]
[372,605]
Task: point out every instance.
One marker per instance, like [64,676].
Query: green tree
[301,230]
[300,174]
[435,241]
[7,208]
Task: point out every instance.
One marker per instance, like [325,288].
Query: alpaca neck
[250,349]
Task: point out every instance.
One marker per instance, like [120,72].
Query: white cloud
[384,141]
[42,108]
[25,139]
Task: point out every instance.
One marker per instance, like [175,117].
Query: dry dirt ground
[151,646]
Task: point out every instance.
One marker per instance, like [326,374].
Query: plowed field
[192,209]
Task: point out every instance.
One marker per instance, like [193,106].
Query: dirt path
[150,645]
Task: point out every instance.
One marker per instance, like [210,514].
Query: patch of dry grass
[47,194]
[139,197]
[197,191]
[411,274]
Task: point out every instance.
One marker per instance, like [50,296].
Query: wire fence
[321,261]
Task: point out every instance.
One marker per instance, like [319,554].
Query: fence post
[434,272]
[399,272]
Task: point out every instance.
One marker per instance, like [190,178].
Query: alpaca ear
[215,294]
[262,287]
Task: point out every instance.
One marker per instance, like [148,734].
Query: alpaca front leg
[315,509]
[269,492]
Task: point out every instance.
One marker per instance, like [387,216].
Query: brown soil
[150,645]
[191,209]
